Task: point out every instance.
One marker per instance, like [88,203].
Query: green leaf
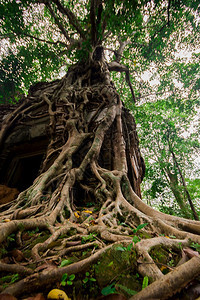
[85,280]
[145,282]
[64,277]
[72,277]
[129,247]
[65,263]
[110,264]
[136,239]
[63,283]
[126,290]
[120,248]
[139,227]
[92,279]
[110,289]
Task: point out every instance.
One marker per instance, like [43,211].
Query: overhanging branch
[115,66]
[93,22]
[58,23]
[71,17]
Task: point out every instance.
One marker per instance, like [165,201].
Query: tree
[93,151]
[167,139]
[168,153]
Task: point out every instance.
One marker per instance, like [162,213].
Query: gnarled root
[87,195]
[171,283]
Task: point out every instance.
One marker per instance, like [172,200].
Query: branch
[168,13]
[71,17]
[62,29]
[93,23]
[14,34]
[115,66]
[100,10]
[42,40]
[119,52]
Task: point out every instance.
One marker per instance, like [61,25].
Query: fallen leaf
[163,268]
[76,215]
[87,211]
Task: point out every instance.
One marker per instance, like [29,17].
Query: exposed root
[87,194]
[146,263]
[171,283]
[52,275]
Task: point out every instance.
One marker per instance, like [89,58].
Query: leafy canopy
[40,38]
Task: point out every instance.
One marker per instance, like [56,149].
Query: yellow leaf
[87,211]
[76,215]
[163,268]
[167,237]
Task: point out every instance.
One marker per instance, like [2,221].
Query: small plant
[180,246]
[139,227]
[136,239]
[33,232]
[171,263]
[90,238]
[126,290]
[67,279]
[110,289]
[88,278]
[9,279]
[11,238]
[196,246]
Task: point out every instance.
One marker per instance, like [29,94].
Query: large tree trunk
[92,160]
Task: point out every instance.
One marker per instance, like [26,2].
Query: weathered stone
[7,194]
[112,263]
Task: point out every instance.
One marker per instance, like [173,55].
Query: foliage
[135,238]
[126,290]
[88,278]
[196,246]
[9,279]
[90,238]
[67,279]
[39,41]
[110,289]
[168,141]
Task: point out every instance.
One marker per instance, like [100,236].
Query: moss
[159,254]
[3,251]
[144,235]
[131,281]
[165,257]
[113,262]
[34,239]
